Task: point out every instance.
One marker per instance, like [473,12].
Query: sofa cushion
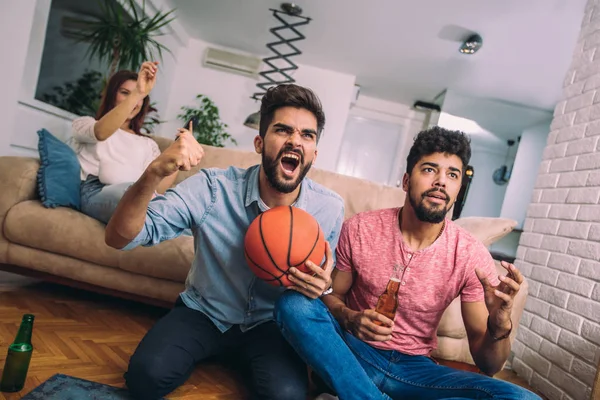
[69,232]
[487,229]
[59,175]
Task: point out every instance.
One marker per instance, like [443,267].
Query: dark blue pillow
[58,179]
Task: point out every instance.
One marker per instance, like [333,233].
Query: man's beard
[433,215]
[272,165]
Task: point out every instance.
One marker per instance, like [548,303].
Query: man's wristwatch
[327,291]
[493,335]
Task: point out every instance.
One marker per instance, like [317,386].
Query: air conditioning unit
[232,62]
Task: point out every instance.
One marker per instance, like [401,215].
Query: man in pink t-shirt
[361,353]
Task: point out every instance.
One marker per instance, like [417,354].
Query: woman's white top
[121,158]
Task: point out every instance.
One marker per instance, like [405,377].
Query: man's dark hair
[289,95]
[439,140]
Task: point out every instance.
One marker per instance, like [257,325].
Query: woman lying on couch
[112,151]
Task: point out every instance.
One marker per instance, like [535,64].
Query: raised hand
[499,299]
[362,325]
[147,77]
[182,155]
[313,285]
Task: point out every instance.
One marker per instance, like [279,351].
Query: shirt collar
[253,193]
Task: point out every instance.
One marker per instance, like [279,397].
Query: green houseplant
[80,97]
[209,130]
[123,40]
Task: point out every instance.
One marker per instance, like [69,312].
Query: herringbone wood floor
[90,336]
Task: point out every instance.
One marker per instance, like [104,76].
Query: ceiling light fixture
[471,45]
[278,75]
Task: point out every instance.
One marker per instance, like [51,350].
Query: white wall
[557,348]
[16,19]
[232,92]
[525,170]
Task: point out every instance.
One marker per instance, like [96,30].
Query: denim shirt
[219,205]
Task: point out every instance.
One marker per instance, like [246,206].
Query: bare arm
[360,323]
[166,183]
[130,215]
[489,355]
[115,118]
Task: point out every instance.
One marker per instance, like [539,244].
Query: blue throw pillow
[58,179]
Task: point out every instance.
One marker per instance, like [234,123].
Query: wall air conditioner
[232,62]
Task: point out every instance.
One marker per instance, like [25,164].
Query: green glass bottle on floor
[17,360]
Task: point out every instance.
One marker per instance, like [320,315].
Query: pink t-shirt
[371,244]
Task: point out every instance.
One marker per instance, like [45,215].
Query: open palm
[499,299]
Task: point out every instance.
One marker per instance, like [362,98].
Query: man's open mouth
[289,162]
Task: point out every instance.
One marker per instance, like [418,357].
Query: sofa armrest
[18,181]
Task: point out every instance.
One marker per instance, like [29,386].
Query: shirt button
[410,256]
[408,269]
[404,283]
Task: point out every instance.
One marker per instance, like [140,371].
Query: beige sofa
[65,246]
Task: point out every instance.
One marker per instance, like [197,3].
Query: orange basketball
[281,238]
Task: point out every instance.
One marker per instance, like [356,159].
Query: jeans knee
[145,378]
[293,306]
[285,391]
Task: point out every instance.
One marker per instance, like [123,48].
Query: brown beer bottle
[18,358]
[388,301]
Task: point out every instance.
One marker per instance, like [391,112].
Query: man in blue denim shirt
[225,309]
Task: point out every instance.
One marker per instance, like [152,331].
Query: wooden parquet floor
[92,337]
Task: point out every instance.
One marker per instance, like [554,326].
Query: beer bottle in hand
[388,301]
[17,360]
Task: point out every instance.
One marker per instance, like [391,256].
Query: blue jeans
[183,338]
[99,200]
[356,370]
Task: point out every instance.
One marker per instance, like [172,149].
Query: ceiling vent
[232,62]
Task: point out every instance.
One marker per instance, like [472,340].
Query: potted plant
[209,130]
[123,40]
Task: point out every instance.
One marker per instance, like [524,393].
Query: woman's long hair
[110,95]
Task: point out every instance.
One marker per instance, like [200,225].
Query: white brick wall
[557,348]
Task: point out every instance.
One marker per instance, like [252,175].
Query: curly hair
[439,140]
[290,95]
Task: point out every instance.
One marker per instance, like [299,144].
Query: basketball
[281,238]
